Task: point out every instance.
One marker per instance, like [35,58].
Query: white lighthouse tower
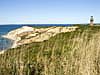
[91,21]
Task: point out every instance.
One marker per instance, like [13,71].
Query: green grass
[71,53]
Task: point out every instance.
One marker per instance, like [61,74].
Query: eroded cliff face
[28,34]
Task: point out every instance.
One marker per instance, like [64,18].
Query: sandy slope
[28,34]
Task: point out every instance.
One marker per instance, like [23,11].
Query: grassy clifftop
[70,53]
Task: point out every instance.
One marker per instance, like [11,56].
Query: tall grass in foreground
[66,54]
[79,56]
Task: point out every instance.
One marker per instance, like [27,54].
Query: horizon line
[44,23]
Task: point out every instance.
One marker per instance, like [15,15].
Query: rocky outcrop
[28,34]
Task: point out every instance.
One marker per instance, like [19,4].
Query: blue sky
[48,11]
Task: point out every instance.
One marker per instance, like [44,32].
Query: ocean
[4,29]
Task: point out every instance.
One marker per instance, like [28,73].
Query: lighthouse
[91,21]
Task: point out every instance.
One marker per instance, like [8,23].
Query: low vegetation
[70,53]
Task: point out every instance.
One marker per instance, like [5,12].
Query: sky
[49,11]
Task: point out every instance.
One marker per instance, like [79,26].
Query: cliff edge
[26,34]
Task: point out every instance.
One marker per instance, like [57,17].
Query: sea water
[4,29]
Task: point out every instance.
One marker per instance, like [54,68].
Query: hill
[70,53]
